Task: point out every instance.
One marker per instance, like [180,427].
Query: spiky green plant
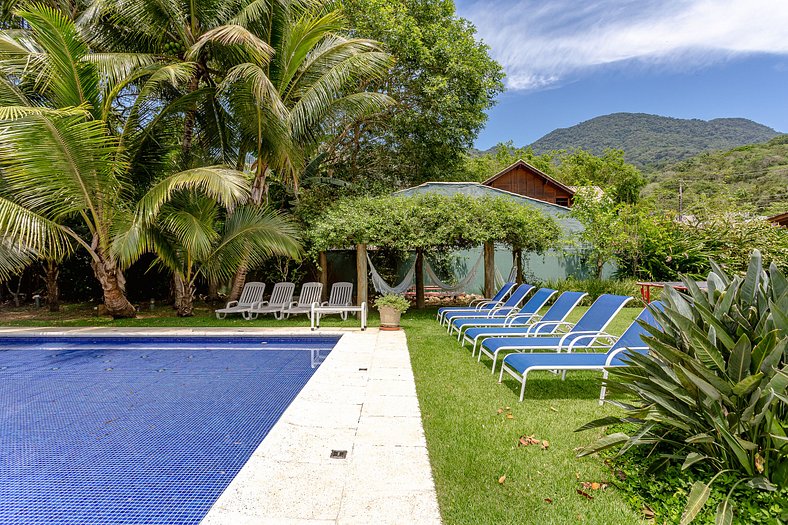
[713,388]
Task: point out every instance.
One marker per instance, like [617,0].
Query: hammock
[462,285]
[381,286]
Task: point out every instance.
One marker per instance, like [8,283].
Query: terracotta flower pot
[389,318]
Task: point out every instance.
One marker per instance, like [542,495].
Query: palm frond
[227,186]
[72,81]
[60,164]
[32,233]
[233,35]
[251,235]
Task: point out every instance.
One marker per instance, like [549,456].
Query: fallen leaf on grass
[500,411]
[585,494]
[525,440]
[502,479]
[594,485]
[545,444]
[508,408]
[554,409]
[647,512]
[509,416]
[549,500]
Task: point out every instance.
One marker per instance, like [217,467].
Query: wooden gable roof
[526,180]
[533,170]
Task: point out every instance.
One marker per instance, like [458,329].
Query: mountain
[753,177]
[651,141]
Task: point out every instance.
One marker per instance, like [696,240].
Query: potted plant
[391,306]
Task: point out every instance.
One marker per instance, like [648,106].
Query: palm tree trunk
[258,195]
[113,285]
[53,290]
[184,297]
[238,282]
[188,121]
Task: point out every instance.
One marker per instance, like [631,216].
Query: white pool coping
[362,400]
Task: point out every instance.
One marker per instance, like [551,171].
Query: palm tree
[287,108]
[63,149]
[194,237]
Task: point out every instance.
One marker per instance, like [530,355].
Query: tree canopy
[433,222]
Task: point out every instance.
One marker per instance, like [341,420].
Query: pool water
[137,430]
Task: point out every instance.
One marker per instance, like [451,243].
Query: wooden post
[323,262]
[517,255]
[419,279]
[489,269]
[361,273]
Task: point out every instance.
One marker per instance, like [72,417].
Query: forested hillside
[652,141]
[753,177]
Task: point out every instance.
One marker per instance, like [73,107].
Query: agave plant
[713,389]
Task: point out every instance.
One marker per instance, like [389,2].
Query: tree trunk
[361,273]
[188,122]
[600,265]
[213,291]
[489,269]
[259,193]
[184,297]
[518,265]
[113,285]
[323,261]
[239,280]
[258,196]
[419,279]
[53,290]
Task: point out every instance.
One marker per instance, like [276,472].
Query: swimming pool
[137,430]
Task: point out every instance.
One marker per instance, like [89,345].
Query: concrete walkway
[362,400]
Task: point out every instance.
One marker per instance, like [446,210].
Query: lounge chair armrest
[612,355]
[571,339]
[537,327]
[324,303]
[230,304]
[517,317]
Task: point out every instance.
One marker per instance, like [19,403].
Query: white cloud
[541,43]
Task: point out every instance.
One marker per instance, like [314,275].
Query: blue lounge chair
[518,365]
[479,304]
[552,320]
[589,329]
[510,306]
[527,313]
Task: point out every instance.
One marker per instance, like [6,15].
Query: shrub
[394,301]
[712,390]
[596,287]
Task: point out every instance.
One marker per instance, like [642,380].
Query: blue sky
[568,61]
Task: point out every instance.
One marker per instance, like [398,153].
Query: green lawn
[471,445]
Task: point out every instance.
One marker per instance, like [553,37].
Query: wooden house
[523,179]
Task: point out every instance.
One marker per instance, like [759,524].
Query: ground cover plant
[711,395]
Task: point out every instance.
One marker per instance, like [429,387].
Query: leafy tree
[603,231]
[483,166]
[443,81]
[610,171]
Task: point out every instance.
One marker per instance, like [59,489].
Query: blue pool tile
[136,430]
